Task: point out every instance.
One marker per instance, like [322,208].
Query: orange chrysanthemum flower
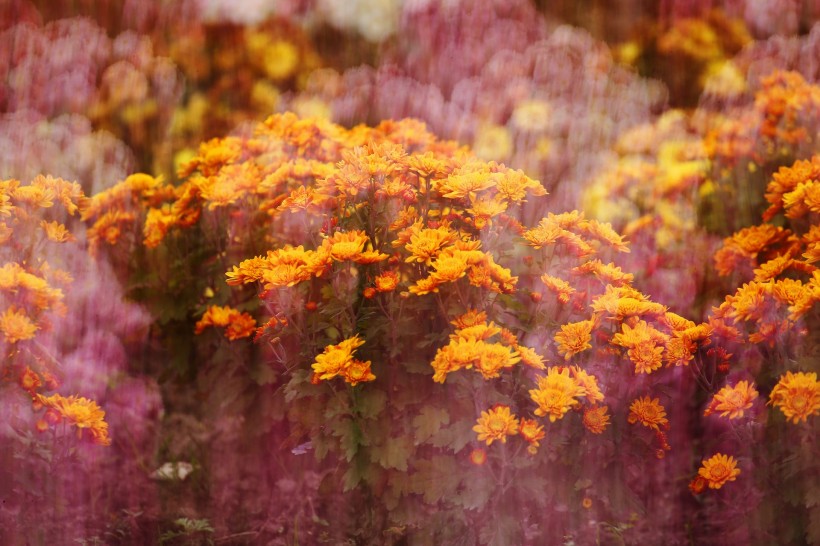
[574,338]
[387,281]
[649,412]
[718,470]
[81,412]
[596,419]
[496,424]
[533,433]
[797,395]
[237,325]
[731,402]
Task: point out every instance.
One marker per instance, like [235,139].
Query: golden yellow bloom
[561,288]
[30,381]
[574,338]
[533,433]
[719,469]
[237,325]
[16,325]
[426,243]
[346,245]
[81,412]
[646,356]
[596,419]
[557,392]
[56,232]
[496,424]
[494,357]
[797,395]
[649,412]
[470,318]
[733,401]
[387,281]
[357,371]
[530,358]
[589,383]
[338,359]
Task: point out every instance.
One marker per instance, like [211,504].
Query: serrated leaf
[500,531]
[429,422]
[394,453]
[477,491]
[371,402]
[353,476]
[263,374]
[436,478]
[455,436]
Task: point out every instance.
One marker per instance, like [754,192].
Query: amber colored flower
[338,360]
[649,412]
[797,395]
[496,424]
[561,288]
[478,457]
[586,503]
[16,325]
[557,392]
[532,432]
[697,485]
[237,324]
[731,402]
[346,245]
[426,243]
[589,383]
[357,371]
[470,318]
[29,380]
[387,281]
[56,232]
[81,412]
[530,358]
[646,356]
[596,419]
[574,338]
[719,469]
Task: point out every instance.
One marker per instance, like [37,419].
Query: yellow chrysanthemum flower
[718,470]
[81,412]
[557,392]
[338,360]
[496,424]
[16,325]
[797,395]
[731,402]
[237,325]
[574,338]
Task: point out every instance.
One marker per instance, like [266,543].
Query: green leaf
[263,374]
[371,402]
[394,453]
[477,490]
[454,437]
[500,531]
[429,422]
[436,478]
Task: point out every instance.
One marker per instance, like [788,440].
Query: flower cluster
[32,289]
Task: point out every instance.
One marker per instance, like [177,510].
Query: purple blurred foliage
[460,66]
[66,146]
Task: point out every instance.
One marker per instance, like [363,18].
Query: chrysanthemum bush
[457,363]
